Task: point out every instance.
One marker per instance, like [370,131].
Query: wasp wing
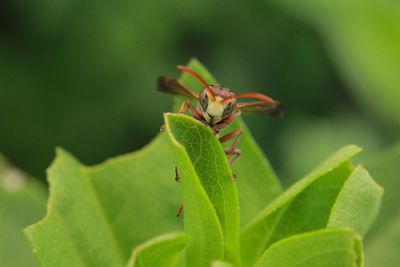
[274,108]
[170,85]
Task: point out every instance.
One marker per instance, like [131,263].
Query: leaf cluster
[96,215]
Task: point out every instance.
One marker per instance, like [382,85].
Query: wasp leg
[185,105]
[231,151]
[180,211]
[226,122]
[178,179]
[177,176]
[235,154]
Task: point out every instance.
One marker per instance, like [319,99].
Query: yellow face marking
[215,110]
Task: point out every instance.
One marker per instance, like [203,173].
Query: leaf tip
[61,156]
[193,60]
[61,152]
[363,171]
[353,147]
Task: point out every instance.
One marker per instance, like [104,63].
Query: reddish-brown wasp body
[218,106]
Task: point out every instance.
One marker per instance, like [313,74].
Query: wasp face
[217,103]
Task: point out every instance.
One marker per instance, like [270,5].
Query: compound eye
[228,108]
[204,101]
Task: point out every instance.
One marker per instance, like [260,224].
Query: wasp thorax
[217,103]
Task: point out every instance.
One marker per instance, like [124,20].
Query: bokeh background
[81,75]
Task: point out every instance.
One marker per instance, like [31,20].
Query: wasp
[218,107]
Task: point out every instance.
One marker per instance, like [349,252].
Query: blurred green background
[81,75]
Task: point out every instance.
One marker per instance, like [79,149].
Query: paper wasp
[218,106]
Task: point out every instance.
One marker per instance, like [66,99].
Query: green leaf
[210,196]
[163,251]
[220,264]
[97,215]
[323,248]
[303,207]
[138,190]
[68,228]
[358,202]
[252,168]
[22,202]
